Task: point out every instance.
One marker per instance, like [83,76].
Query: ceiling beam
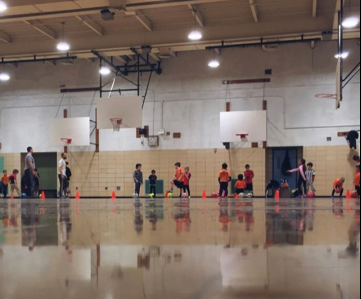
[5,37]
[254,10]
[143,20]
[121,59]
[314,8]
[196,13]
[155,57]
[42,28]
[91,24]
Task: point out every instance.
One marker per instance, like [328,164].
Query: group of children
[12,181]
[182,177]
[307,176]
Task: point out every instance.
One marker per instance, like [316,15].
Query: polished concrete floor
[170,249]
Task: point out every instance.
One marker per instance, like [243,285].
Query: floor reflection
[180,249]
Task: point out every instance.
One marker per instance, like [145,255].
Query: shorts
[178,184]
[238,191]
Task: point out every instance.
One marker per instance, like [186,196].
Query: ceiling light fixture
[4,77]
[63,46]
[195,34]
[343,55]
[351,22]
[104,71]
[214,63]
[3,6]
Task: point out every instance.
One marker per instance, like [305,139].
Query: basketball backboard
[78,129]
[129,109]
[253,123]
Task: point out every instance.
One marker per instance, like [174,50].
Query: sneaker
[189,197]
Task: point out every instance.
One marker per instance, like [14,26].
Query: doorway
[46,164]
[279,156]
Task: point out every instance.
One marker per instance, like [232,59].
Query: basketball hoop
[243,136]
[326,96]
[117,123]
[66,140]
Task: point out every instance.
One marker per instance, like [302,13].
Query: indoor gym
[248,111]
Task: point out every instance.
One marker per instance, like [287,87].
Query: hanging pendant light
[352,20]
[3,6]
[4,77]
[195,34]
[63,46]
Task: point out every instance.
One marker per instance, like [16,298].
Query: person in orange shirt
[241,185]
[338,187]
[224,178]
[357,180]
[178,179]
[5,182]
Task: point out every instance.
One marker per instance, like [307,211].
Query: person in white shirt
[62,176]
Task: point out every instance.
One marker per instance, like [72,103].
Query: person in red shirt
[178,179]
[357,180]
[338,187]
[249,176]
[224,178]
[240,184]
[187,178]
[14,183]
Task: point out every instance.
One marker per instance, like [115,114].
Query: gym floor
[172,248]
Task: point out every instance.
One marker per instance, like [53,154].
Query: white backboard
[253,123]
[127,108]
[78,129]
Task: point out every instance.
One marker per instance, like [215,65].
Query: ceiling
[32,27]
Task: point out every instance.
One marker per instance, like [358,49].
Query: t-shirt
[309,174]
[179,174]
[187,178]
[62,165]
[29,158]
[338,183]
[357,179]
[249,175]
[153,179]
[13,179]
[5,179]
[241,185]
[224,176]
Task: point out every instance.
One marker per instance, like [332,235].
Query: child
[249,175]
[224,178]
[338,187]
[37,183]
[187,178]
[178,179]
[357,180]
[302,180]
[138,179]
[14,183]
[5,182]
[241,185]
[310,176]
[153,183]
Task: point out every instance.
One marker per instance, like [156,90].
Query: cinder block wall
[330,163]
[93,173]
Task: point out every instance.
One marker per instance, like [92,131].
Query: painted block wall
[188,97]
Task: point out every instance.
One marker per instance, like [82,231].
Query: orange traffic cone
[114,196]
[204,196]
[236,196]
[43,195]
[348,194]
[277,195]
[77,195]
[12,196]
[166,194]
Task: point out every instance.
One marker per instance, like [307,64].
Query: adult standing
[62,176]
[30,173]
